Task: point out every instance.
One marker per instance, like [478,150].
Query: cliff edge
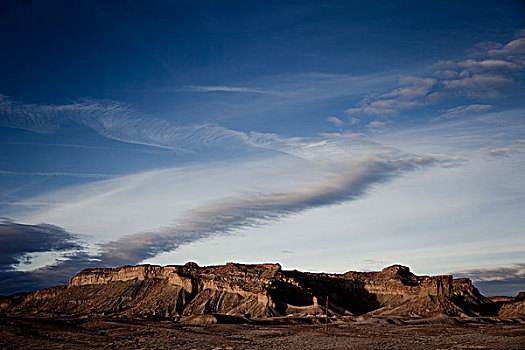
[256,291]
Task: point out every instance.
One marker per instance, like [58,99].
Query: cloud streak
[461,111]
[501,273]
[18,240]
[229,214]
[413,92]
[120,122]
[251,209]
[56,173]
[222,88]
[497,280]
[518,146]
[336,121]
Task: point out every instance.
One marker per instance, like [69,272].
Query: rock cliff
[253,291]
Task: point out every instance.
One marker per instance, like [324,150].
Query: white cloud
[434,220]
[347,135]
[56,173]
[376,124]
[412,88]
[119,121]
[336,121]
[196,88]
[493,69]
[173,208]
[277,92]
[498,152]
[413,92]
[446,74]
[349,181]
[331,148]
[460,111]
[478,83]
[219,198]
[488,64]
[517,147]
[494,273]
[514,51]
[353,121]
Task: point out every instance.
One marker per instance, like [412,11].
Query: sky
[326,136]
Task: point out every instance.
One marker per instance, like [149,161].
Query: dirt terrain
[56,333]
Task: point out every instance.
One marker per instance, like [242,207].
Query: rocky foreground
[110,333]
[239,293]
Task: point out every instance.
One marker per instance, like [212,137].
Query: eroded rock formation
[254,291]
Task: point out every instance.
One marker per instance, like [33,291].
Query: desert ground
[82,333]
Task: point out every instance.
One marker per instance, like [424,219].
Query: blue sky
[328,137]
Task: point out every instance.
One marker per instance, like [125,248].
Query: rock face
[253,291]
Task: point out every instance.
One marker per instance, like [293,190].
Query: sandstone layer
[257,291]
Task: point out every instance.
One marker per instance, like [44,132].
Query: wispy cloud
[222,88]
[119,121]
[500,273]
[245,210]
[493,68]
[56,173]
[517,147]
[336,121]
[72,145]
[413,92]
[331,148]
[376,124]
[490,70]
[145,200]
[278,92]
[460,111]
[353,120]
[478,83]
[232,213]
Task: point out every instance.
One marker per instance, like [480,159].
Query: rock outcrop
[507,307]
[252,291]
